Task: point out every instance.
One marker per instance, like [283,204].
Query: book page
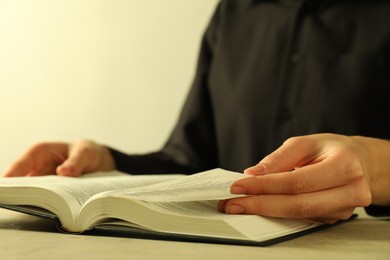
[204,208]
[264,228]
[79,190]
[84,188]
[51,192]
[209,185]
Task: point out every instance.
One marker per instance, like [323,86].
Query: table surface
[28,237]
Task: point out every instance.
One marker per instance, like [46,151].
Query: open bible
[172,207]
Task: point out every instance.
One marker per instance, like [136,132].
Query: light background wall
[115,71]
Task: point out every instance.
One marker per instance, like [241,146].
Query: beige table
[27,237]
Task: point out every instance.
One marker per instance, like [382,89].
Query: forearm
[378,151]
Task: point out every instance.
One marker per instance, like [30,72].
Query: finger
[41,172]
[80,158]
[310,178]
[39,159]
[74,164]
[221,205]
[21,167]
[26,166]
[72,167]
[309,205]
[287,157]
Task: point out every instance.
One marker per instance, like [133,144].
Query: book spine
[63,229]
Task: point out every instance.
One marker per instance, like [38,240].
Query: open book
[173,207]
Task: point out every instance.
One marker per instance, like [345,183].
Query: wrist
[108,162]
[378,152]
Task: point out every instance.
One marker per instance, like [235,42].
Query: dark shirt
[269,70]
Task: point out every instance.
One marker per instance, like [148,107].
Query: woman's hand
[322,177]
[63,159]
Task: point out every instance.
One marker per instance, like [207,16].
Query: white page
[209,185]
[75,191]
[83,190]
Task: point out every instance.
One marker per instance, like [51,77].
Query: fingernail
[255,170]
[238,190]
[250,171]
[221,205]
[234,209]
[65,170]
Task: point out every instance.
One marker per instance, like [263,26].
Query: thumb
[70,168]
[293,153]
[77,161]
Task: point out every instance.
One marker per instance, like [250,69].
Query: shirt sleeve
[191,146]
[378,211]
